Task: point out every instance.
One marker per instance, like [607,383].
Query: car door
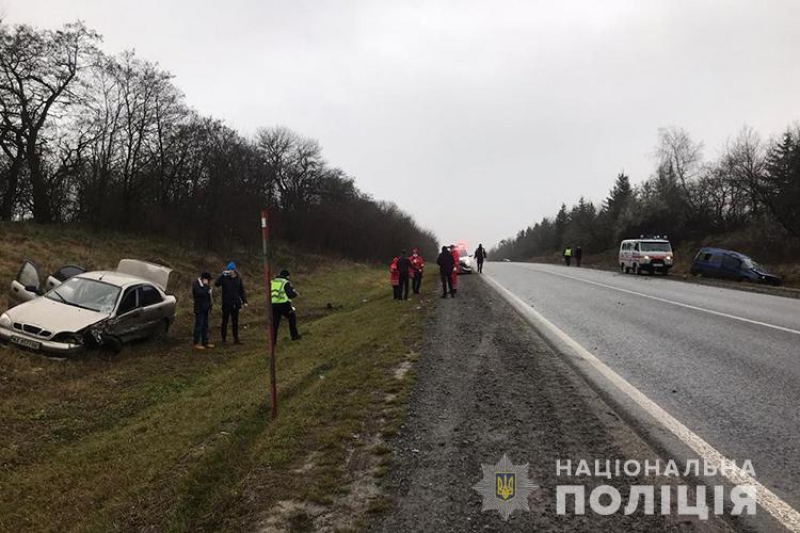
[127,323]
[731,267]
[26,286]
[155,318]
[61,275]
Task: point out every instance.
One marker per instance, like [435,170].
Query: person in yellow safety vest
[282,293]
[567,255]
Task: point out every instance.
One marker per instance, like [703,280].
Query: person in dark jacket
[446,264]
[578,256]
[403,269]
[480,256]
[233,299]
[201,294]
[282,293]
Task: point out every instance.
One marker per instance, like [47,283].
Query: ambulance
[646,254]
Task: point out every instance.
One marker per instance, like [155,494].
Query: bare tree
[38,70]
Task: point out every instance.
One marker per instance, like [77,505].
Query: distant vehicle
[89,309]
[466,263]
[646,255]
[727,264]
[506,260]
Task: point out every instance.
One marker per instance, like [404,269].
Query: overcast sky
[476,117]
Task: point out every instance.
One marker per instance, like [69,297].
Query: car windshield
[656,247]
[749,264]
[87,294]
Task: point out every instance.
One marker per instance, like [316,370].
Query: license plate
[33,345]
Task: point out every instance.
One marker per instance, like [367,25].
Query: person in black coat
[201,294]
[233,299]
[480,257]
[403,269]
[446,264]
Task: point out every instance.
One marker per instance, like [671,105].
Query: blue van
[726,264]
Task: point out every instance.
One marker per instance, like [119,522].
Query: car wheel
[112,343]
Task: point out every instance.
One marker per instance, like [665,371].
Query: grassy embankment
[163,438]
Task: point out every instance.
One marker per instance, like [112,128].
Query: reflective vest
[278,287]
[568,252]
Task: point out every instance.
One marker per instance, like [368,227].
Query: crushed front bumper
[21,340]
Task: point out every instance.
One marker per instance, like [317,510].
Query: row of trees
[109,141]
[752,184]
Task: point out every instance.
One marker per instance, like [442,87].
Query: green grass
[164,438]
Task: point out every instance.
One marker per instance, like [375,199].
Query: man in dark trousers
[446,264]
[233,299]
[403,269]
[282,293]
[480,255]
[578,256]
[201,293]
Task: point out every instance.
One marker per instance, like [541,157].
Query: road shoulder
[488,385]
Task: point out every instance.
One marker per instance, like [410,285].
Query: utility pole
[273,386]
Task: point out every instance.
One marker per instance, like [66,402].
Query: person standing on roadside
[480,256]
[233,299]
[456,266]
[578,256]
[417,265]
[403,270]
[201,294]
[282,294]
[445,262]
[394,278]
[567,255]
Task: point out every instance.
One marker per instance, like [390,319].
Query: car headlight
[647,258]
[5,321]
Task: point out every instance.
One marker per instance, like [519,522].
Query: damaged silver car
[78,310]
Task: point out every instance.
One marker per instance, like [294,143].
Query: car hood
[54,316]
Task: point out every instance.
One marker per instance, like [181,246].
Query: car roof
[114,278]
[645,240]
[710,249]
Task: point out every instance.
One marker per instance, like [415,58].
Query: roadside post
[273,387]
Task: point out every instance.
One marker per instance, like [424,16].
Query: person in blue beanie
[233,299]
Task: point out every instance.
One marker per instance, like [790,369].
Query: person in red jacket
[417,265]
[456,263]
[394,278]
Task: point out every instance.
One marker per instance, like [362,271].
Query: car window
[66,272]
[706,257]
[656,247]
[149,296]
[128,302]
[87,293]
[28,275]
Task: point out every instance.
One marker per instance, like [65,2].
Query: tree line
[109,141]
[751,190]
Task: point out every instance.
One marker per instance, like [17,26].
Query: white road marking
[673,302]
[768,500]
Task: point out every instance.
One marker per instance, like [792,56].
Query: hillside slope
[163,438]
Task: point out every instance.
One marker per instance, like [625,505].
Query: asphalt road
[725,363]
[486,385]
